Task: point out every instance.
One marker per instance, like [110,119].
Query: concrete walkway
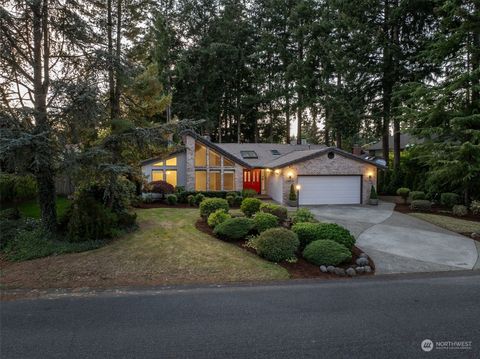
[399,243]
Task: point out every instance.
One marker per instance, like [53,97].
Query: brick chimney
[357,150]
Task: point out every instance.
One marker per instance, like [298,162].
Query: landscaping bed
[438,210]
[296,241]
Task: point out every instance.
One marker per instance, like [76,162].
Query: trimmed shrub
[460,210]
[199,197]
[191,200]
[234,228]
[210,205]
[373,193]
[303,215]
[161,187]
[292,196]
[326,252]
[217,217]
[403,192]
[126,219]
[250,206]
[172,199]
[183,196]
[249,193]
[417,195]
[278,211]
[449,199]
[421,205]
[475,207]
[309,232]
[277,244]
[264,221]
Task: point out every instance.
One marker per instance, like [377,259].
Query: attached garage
[325,189]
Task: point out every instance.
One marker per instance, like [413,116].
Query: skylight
[248,154]
[275,152]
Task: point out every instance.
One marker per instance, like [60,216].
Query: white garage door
[329,189]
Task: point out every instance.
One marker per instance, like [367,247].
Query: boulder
[323,269]
[330,269]
[362,261]
[475,236]
[340,272]
[363,255]
[351,272]
[368,269]
[360,269]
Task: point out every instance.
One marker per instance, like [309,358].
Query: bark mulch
[301,268]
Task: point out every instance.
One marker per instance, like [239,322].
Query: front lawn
[453,224]
[167,249]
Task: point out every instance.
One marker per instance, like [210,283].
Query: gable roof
[264,151]
[300,156]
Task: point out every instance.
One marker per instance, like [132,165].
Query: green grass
[167,249]
[32,209]
[453,224]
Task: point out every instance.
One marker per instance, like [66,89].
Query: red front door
[252,180]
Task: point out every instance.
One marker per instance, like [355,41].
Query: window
[229,181]
[200,155]
[275,152]
[200,180]
[172,161]
[171,177]
[214,159]
[248,154]
[215,183]
[158,164]
[157,175]
[227,162]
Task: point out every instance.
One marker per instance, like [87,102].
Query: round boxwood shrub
[417,195]
[421,205]
[449,199]
[210,205]
[309,232]
[326,252]
[234,228]
[277,244]
[460,210]
[199,197]
[264,221]
[250,206]
[217,217]
[475,207]
[279,211]
[303,215]
[172,199]
[231,200]
[191,200]
[403,192]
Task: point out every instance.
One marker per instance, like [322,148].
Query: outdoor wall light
[290,175]
[269,170]
[277,172]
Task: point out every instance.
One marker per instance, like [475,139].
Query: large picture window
[157,175]
[200,180]
[171,177]
[215,183]
[200,155]
[214,159]
[229,181]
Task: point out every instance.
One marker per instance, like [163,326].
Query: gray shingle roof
[264,151]
[405,140]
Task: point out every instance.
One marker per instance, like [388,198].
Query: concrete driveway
[399,243]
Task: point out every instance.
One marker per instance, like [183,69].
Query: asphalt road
[363,318]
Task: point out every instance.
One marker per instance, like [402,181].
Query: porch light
[277,172]
[269,170]
[290,175]
[298,187]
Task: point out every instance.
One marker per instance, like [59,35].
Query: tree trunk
[396,120]
[299,126]
[287,117]
[111,78]
[44,171]
[475,85]
[327,127]
[118,71]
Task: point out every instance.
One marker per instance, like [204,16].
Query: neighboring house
[326,175]
[406,140]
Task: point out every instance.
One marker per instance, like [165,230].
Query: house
[406,140]
[326,175]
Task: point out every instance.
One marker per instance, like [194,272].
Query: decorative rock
[351,272]
[363,255]
[368,269]
[340,272]
[360,269]
[362,261]
[323,269]
[330,269]
[475,236]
